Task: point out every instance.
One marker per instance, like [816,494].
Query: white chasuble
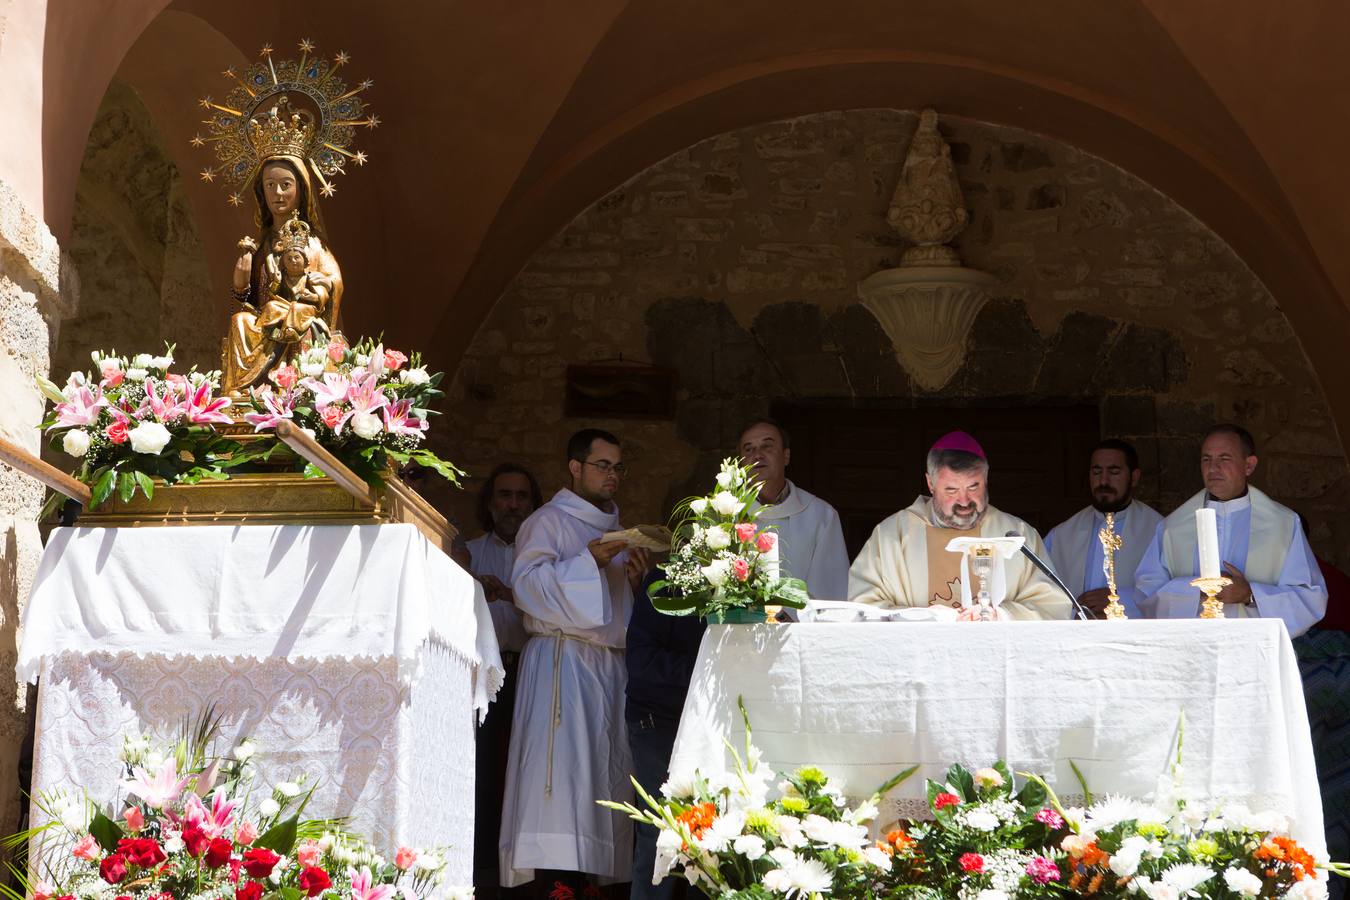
[1076,551]
[569,743]
[810,542]
[892,569]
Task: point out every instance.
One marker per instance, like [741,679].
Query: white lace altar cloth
[867,701]
[359,655]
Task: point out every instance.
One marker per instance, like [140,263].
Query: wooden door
[868,462]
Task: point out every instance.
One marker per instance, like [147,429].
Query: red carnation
[260,861]
[314,881]
[195,840]
[972,862]
[250,891]
[944,800]
[218,853]
[113,868]
[143,852]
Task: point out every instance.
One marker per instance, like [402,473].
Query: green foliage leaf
[105,831]
[105,480]
[126,486]
[280,837]
[961,779]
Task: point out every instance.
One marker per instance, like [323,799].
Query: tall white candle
[1207,532]
[771,558]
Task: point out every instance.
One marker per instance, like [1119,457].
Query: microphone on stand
[1050,573]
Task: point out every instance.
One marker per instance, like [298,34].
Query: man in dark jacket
[661,654]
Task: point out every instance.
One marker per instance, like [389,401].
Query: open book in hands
[655,538]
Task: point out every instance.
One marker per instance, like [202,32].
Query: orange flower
[1287,850]
[899,839]
[698,818]
[886,848]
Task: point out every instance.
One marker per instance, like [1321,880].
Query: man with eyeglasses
[569,746]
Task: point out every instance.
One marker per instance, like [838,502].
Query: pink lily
[278,407]
[362,888]
[201,409]
[333,389]
[81,409]
[158,788]
[213,821]
[163,408]
[398,421]
[365,396]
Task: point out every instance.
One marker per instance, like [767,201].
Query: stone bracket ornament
[927,304]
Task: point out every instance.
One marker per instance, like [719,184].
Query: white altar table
[360,656]
[866,701]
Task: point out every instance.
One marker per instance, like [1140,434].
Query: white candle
[771,559]
[1207,532]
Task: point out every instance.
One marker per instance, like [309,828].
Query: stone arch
[735,261]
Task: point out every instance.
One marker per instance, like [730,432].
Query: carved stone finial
[927,207]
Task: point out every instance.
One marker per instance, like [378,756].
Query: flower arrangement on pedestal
[721,561]
[366,404]
[134,419]
[741,835]
[193,825]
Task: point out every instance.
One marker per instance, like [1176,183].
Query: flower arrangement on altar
[133,419]
[721,561]
[751,834]
[366,404]
[193,826]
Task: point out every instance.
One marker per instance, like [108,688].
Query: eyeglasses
[605,466]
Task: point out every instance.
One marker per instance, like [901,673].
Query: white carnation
[1185,877]
[1125,862]
[269,808]
[981,820]
[76,442]
[312,368]
[681,784]
[777,881]
[288,789]
[149,437]
[725,503]
[749,845]
[1242,881]
[137,373]
[366,425]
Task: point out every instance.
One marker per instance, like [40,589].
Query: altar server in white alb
[906,561]
[1075,547]
[569,746]
[810,538]
[1261,544]
[509,495]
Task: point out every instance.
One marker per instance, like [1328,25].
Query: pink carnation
[309,853]
[1042,870]
[766,541]
[745,532]
[87,848]
[1049,817]
[405,857]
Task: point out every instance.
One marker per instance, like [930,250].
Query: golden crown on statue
[260,119]
[294,234]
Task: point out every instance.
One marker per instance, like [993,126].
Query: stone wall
[38,286]
[735,261]
[136,245]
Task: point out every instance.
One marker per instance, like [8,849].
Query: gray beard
[958,522]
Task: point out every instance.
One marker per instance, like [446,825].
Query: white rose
[141,360]
[312,369]
[725,503]
[161,362]
[245,750]
[137,374]
[716,572]
[76,442]
[288,789]
[268,808]
[416,376]
[366,425]
[1242,881]
[698,506]
[717,538]
[148,437]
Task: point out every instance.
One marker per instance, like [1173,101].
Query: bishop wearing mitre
[906,561]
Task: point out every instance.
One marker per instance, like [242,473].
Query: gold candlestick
[1111,542]
[1212,607]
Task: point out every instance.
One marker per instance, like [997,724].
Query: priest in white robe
[1261,543]
[569,746]
[810,538]
[509,495]
[906,562]
[1075,547]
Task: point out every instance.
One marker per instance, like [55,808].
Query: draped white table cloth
[866,701]
[360,656]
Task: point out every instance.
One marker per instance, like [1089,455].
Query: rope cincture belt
[558,638]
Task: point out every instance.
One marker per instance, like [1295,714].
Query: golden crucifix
[1111,542]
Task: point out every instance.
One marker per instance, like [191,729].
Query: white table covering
[357,655]
[866,701]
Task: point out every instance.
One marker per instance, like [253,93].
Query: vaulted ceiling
[502,121]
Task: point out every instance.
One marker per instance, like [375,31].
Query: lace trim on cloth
[893,809]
